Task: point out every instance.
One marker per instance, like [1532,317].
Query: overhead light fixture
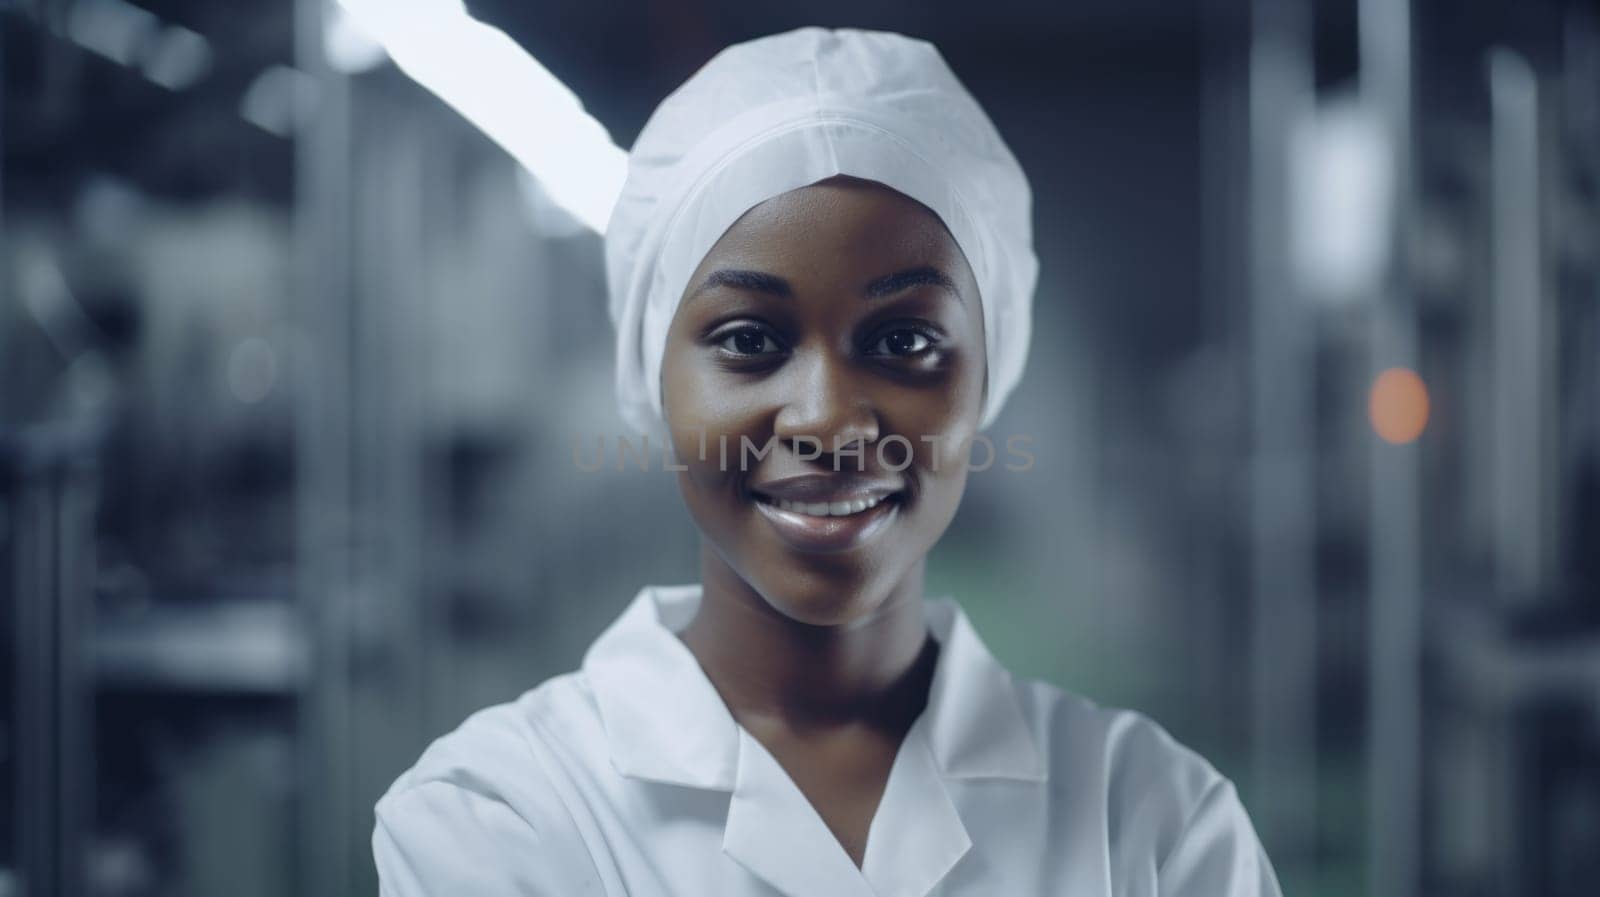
[116,30]
[507,94]
[279,100]
[1341,193]
[170,55]
[177,58]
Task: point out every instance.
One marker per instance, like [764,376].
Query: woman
[821,270]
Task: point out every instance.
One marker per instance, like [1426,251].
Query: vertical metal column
[10,579]
[1282,485]
[1517,350]
[52,547]
[392,629]
[1582,68]
[75,564]
[38,750]
[320,379]
[1394,676]
[1521,390]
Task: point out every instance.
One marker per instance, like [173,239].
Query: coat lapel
[774,832]
[975,722]
[917,836]
[663,718]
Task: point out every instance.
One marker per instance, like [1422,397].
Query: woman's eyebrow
[753,281]
[926,275]
[772,284]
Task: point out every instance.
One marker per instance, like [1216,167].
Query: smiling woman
[823,251]
[840,328]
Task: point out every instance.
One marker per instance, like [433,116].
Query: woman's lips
[840,531]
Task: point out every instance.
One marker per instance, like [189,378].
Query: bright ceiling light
[484,75]
[1340,195]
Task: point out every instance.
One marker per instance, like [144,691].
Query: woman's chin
[835,605]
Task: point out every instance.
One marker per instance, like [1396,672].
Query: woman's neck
[875,671]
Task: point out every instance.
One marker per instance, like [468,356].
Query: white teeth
[829,509]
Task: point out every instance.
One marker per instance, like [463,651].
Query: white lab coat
[630,777]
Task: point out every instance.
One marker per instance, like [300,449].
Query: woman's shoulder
[1161,805]
[507,745]
[1121,753]
[489,789]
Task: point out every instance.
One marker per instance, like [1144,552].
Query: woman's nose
[826,404]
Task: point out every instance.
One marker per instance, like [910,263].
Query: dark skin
[844,312]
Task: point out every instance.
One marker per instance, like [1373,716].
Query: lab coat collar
[665,721]
[915,839]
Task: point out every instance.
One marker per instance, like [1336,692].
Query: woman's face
[823,380]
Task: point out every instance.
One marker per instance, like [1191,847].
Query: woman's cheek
[710,447]
[691,427]
[948,453]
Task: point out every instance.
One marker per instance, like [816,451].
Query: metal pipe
[1282,515]
[1394,675]
[1516,334]
[320,379]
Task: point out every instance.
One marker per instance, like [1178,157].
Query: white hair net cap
[780,112]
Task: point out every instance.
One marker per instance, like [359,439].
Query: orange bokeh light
[1398,406]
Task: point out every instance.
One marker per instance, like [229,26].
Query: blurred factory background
[293,360]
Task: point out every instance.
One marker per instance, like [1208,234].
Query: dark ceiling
[68,111]
[623,57]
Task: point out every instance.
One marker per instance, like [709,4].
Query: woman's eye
[748,341]
[902,341]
